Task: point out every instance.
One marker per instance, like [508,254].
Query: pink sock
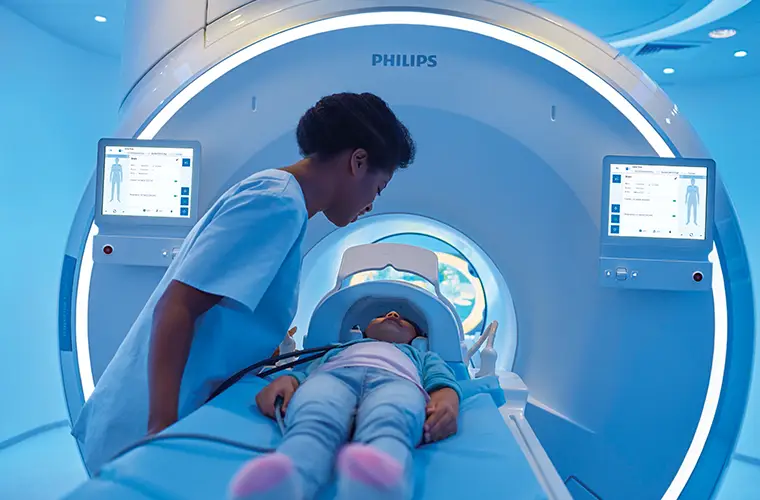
[271,477]
[369,474]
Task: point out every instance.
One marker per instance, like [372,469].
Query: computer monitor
[147,182]
[658,202]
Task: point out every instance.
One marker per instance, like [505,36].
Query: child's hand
[442,413]
[284,386]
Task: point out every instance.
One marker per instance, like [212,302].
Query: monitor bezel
[131,220]
[646,245]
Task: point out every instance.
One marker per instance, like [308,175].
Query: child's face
[391,328]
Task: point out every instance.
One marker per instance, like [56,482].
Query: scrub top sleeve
[238,254]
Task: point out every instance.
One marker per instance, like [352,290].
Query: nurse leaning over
[232,290]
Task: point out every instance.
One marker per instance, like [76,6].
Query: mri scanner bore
[614,345]
[457,276]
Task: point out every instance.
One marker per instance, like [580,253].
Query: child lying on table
[395,395]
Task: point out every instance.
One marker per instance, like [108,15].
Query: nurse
[231,293]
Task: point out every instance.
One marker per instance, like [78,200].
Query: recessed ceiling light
[668,71]
[740,53]
[100,19]
[722,33]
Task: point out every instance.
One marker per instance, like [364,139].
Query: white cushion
[359,304]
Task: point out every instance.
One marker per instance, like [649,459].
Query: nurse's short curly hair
[349,121]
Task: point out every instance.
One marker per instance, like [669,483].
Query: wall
[726,116]
[56,101]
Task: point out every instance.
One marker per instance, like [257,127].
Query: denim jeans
[387,411]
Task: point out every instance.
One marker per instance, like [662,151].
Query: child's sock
[369,474]
[271,477]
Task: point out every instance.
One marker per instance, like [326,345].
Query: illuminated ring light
[477,313]
[594,81]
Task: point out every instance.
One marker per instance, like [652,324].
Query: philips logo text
[404,60]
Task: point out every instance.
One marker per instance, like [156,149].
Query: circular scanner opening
[457,277]
[467,277]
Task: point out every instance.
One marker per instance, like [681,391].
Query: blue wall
[56,101]
[726,116]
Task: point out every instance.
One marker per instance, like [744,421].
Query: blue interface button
[184,201]
[185,162]
[621,273]
[184,211]
[615,229]
[615,209]
[185,191]
[616,219]
[616,179]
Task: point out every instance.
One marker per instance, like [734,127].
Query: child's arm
[437,374]
[284,386]
[443,409]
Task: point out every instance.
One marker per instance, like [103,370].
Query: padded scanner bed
[484,460]
[494,455]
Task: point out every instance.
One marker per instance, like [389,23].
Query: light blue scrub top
[247,249]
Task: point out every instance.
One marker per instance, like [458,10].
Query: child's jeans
[389,411]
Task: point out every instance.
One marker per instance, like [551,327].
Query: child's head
[392,328]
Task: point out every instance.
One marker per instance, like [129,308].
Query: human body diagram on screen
[116,176]
[692,203]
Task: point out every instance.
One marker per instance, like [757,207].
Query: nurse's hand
[284,387]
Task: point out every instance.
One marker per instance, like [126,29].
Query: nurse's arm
[174,320]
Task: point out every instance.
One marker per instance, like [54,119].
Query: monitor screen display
[651,201]
[147,181]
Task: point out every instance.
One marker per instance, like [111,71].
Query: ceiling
[698,58]
[74,21]
[611,18]
[706,59]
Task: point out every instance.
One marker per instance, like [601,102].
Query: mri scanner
[624,359]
